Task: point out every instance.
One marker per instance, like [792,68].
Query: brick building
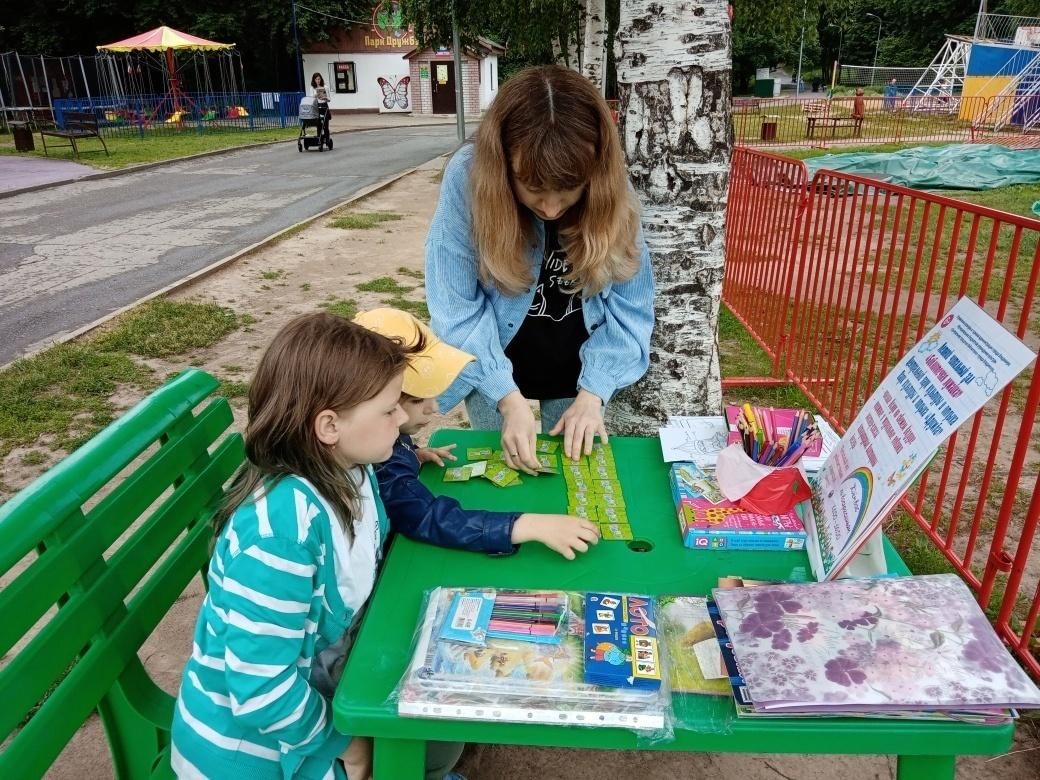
[432,74]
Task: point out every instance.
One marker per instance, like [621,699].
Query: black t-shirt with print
[544,351]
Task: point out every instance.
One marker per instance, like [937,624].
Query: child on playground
[412,508]
[298,545]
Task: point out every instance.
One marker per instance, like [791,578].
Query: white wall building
[370,70]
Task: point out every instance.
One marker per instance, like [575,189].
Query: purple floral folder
[904,643]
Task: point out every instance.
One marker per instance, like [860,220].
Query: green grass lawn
[136,151]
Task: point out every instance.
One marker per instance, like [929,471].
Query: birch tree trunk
[594,43]
[673,64]
[557,49]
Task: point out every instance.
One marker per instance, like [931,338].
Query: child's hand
[435,454]
[563,533]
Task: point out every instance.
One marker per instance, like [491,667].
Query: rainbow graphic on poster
[855,491]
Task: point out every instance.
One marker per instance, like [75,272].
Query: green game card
[586,511]
[616,532]
[549,464]
[478,453]
[605,486]
[582,496]
[457,474]
[613,500]
[501,475]
[612,514]
[546,446]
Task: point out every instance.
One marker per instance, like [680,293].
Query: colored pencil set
[531,617]
[771,445]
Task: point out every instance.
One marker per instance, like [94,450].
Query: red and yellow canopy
[161,39]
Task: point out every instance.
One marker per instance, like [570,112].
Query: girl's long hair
[314,80]
[316,362]
[551,129]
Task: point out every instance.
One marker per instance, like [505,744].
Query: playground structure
[989,80]
[131,68]
[999,63]
[159,82]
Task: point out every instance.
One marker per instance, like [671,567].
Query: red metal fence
[836,278]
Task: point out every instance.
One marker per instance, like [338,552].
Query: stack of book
[914,648]
[562,657]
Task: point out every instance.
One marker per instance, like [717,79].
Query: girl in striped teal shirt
[297,549]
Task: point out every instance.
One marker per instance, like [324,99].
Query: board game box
[621,645]
[708,521]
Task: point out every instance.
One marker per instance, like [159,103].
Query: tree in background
[594,43]
[262,29]
[673,63]
[765,35]
[534,32]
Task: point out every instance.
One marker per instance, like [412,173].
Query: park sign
[388,27]
[963,362]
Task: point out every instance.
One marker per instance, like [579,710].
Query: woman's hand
[436,454]
[519,432]
[565,534]
[580,424]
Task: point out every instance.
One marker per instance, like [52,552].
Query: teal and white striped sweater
[284,586]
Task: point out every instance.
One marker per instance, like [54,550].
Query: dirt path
[323,265]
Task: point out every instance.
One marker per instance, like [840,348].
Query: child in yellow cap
[412,509]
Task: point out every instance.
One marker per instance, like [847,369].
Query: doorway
[442,83]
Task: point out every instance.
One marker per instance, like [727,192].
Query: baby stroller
[314,114]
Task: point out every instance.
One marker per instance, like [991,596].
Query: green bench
[94,558]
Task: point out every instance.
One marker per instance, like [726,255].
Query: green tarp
[956,167]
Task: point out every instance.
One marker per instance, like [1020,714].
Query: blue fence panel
[196,112]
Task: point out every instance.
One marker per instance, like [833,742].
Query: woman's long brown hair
[316,362]
[551,129]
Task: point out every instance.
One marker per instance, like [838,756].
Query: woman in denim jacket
[536,265]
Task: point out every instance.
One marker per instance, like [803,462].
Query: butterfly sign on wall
[395,93]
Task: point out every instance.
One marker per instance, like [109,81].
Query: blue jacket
[482,321]
[418,514]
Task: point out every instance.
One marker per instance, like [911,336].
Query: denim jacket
[481,320]
[418,514]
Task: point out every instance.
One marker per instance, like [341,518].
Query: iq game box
[708,521]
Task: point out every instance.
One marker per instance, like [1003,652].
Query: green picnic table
[655,563]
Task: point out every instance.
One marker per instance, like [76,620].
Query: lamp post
[296,42]
[841,35]
[801,48]
[873,71]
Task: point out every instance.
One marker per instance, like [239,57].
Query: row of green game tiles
[594,492]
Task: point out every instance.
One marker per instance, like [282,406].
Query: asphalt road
[77,252]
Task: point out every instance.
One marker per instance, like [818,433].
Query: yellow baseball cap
[430,372]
